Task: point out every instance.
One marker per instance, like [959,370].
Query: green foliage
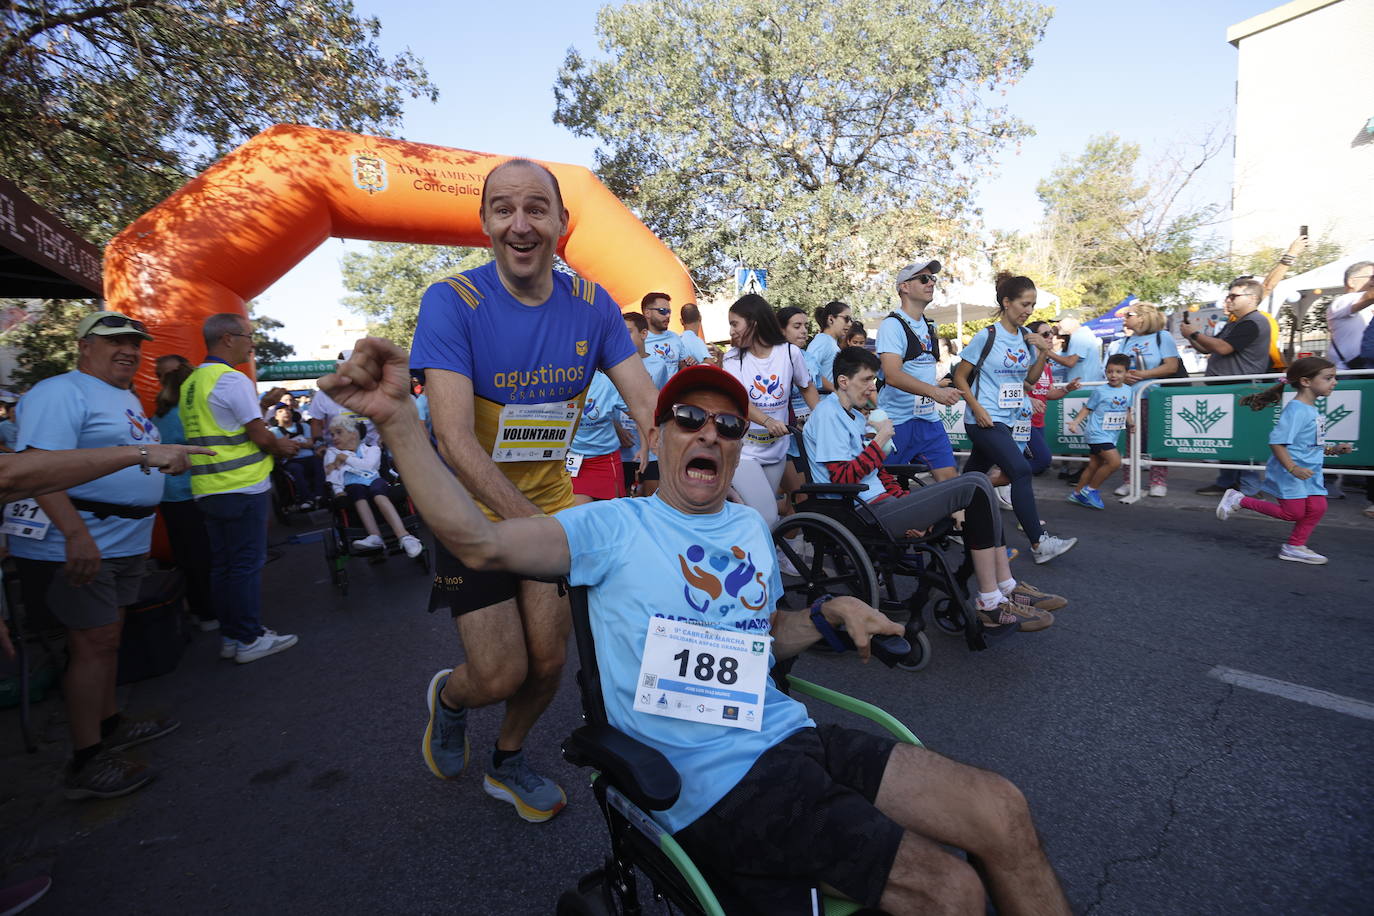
[824,142]
[266,348]
[46,345]
[387,281]
[108,107]
[1108,230]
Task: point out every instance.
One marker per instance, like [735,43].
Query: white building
[1304,134]
[336,336]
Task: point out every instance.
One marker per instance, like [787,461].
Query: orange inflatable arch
[233,231]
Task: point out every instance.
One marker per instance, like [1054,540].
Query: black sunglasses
[692,418]
[667,311]
[119,321]
[923,278]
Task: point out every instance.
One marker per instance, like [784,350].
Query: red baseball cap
[702,376]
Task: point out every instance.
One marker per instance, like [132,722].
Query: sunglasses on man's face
[692,418]
[924,278]
[119,321]
[667,311]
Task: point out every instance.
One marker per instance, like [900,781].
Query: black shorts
[362,492]
[802,815]
[462,590]
[1097,448]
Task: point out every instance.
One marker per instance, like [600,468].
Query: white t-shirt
[769,382]
[234,403]
[325,409]
[1346,328]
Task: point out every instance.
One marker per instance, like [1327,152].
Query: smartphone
[1302,231]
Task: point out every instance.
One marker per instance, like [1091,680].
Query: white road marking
[1296,692]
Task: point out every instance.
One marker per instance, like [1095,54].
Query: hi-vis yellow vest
[237,462]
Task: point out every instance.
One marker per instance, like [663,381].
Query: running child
[1294,472]
[1108,412]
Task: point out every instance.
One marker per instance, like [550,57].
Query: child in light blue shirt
[1107,412]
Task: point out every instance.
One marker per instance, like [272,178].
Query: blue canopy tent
[1110,325]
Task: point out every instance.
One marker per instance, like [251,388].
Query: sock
[1007,586]
[108,726]
[82,756]
[988,601]
[499,756]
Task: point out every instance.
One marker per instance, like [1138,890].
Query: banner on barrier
[1208,422]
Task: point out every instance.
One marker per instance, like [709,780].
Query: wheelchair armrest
[642,773]
[832,489]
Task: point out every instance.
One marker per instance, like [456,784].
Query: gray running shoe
[269,643]
[445,746]
[1051,547]
[535,798]
[107,775]
[137,731]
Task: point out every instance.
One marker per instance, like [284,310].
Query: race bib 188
[693,672]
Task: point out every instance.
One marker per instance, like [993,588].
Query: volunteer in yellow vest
[219,409]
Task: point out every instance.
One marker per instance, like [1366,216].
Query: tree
[266,348]
[825,142]
[46,345]
[1109,231]
[108,106]
[387,281]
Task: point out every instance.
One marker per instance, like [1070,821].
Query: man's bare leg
[494,641]
[546,620]
[975,810]
[89,684]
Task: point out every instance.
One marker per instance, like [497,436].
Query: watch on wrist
[143,459]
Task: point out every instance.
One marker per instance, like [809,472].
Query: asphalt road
[295,784]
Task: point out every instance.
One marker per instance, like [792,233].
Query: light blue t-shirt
[1109,406]
[76,410]
[903,405]
[1008,361]
[820,359]
[834,434]
[644,559]
[1147,351]
[694,346]
[422,408]
[176,488]
[596,430]
[1300,429]
[9,433]
[659,375]
[667,346]
[1084,344]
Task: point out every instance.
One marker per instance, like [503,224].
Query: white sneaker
[228,647]
[785,566]
[1051,547]
[1004,496]
[1301,555]
[412,546]
[269,643]
[1159,489]
[1123,490]
[1230,502]
[371,542]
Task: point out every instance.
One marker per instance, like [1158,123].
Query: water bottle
[877,416]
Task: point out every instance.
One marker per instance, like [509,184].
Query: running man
[507,351]
[907,347]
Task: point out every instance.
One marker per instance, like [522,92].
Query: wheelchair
[846,548]
[631,779]
[345,528]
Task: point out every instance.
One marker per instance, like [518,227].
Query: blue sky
[1159,74]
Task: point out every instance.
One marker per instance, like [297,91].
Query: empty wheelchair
[836,541]
[632,779]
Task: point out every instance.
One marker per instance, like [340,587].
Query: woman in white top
[768,367]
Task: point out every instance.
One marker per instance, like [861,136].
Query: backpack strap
[914,345]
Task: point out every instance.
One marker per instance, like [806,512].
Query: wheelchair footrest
[640,772]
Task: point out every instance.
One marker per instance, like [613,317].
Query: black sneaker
[137,731]
[107,775]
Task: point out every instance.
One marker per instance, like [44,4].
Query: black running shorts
[802,815]
[462,590]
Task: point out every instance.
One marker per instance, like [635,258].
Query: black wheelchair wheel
[590,898]
[919,656]
[949,619]
[837,564]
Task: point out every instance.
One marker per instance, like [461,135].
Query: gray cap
[920,265]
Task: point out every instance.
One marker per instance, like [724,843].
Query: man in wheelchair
[841,447]
[682,588]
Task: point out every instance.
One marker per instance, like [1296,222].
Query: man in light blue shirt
[1083,358]
[694,349]
[825,804]
[912,395]
[85,561]
[662,343]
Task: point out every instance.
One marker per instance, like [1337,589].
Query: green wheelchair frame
[631,779]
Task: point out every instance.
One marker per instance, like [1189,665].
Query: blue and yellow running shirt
[519,357]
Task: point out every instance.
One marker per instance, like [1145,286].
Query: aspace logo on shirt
[140,427]
[1017,357]
[715,581]
[769,389]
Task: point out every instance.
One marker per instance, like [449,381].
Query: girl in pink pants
[1294,473]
